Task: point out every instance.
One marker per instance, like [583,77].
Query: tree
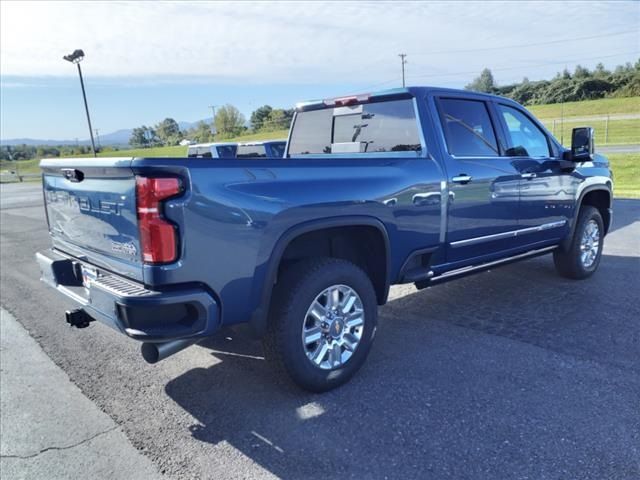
[201,133]
[484,83]
[143,137]
[278,119]
[581,72]
[600,71]
[229,121]
[168,131]
[259,116]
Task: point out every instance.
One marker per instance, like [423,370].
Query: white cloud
[295,42]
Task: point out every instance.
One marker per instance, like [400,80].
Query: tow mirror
[582,144]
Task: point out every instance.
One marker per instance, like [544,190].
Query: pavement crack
[66,447]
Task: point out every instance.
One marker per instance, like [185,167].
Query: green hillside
[587,108]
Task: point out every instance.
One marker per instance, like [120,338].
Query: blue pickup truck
[414,185]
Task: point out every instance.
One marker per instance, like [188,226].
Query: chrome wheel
[590,244]
[333,327]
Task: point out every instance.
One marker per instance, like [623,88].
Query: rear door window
[467,128]
[524,138]
[381,127]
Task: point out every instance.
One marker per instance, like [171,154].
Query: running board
[462,272]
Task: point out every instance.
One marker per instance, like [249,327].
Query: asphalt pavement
[516,373]
[49,428]
[630,148]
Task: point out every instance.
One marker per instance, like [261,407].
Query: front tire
[322,322]
[582,258]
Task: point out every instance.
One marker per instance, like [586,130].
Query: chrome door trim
[509,234]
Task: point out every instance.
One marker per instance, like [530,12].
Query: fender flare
[605,187]
[259,317]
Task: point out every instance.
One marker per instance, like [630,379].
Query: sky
[145,61]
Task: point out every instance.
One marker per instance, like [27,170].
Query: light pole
[76,57]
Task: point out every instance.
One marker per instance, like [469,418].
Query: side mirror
[582,144]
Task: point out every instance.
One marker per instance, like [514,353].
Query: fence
[609,130]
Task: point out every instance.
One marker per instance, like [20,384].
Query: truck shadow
[437,394]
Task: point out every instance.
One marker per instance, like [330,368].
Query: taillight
[158,238]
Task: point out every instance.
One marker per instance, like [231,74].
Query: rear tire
[322,322]
[581,259]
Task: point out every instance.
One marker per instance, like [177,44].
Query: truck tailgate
[91,210]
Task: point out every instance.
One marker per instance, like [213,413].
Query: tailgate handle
[72,174]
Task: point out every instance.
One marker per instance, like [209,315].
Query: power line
[522,45]
[498,69]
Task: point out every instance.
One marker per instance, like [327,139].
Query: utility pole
[404,62]
[98,138]
[213,119]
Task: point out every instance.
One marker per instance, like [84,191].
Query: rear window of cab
[382,127]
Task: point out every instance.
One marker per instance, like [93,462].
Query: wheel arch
[259,318]
[598,196]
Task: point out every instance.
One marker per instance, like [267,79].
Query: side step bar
[471,269]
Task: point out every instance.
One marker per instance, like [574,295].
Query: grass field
[586,108]
[626,174]
[617,132]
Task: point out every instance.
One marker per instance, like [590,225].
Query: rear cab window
[370,128]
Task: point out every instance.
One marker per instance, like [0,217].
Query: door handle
[528,176]
[462,178]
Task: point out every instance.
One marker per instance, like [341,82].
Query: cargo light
[158,237]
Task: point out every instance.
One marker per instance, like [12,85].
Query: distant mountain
[118,138]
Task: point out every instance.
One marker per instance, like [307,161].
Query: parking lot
[515,373]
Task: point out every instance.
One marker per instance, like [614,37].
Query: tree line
[228,122]
[582,84]
[27,152]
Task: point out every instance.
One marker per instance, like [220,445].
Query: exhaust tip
[150,353]
[154,352]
